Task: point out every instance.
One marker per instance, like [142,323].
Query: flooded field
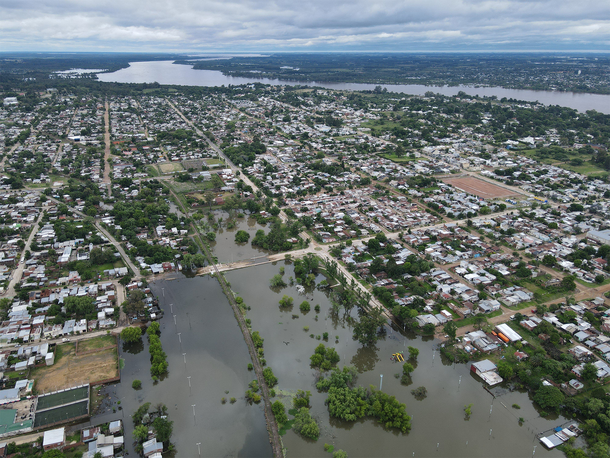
[205,334]
[438,424]
[225,248]
[207,337]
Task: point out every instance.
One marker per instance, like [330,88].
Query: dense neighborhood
[479,221]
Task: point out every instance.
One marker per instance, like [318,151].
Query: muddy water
[216,361]
[438,426]
[225,248]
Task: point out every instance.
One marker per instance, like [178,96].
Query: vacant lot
[96,343]
[71,370]
[479,187]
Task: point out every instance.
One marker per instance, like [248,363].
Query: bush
[279,411]
[301,399]
[242,237]
[270,378]
[305,425]
[277,281]
[136,384]
[420,392]
[305,307]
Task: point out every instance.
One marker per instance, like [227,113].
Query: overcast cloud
[292,25]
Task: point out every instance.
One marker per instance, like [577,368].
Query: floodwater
[216,357]
[227,250]
[165,72]
[438,425]
[207,336]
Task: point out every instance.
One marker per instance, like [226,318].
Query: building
[487,371]
[507,331]
[55,438]
[602,237]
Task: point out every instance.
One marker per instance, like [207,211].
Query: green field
[586,168]
[62,413]
[394,158]
[64,397]
[470,319]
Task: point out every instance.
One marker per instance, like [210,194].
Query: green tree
[366,330]
[301,399]
[305,307]
[269,377]
[305,425]
[53,454]
[505,370]
[131,334]
[589,372]
[163,428]
[413,353]
[340,454]
[549,260]
[549,397]
[242,236]
[134,302]
[154,328]
[136,384]
[407,370]
[567,283]
[277,281]
[286,301]
[450,329]
[279,411]
[140,433]
[479,321]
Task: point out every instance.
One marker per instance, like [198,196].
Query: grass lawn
[532,339]
[394,158]
[592,285]
[453,314]
[77,451]
[15,375]
[470,319]
[170,167]
[191,186]
[587,167]
[152,170]
[212,161]
[103,267]
[96,343]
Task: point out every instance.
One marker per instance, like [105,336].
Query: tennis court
[63,397]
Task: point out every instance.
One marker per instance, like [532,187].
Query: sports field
[61,398]
[479,187]
[64,413]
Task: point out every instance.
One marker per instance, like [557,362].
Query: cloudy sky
[313,25]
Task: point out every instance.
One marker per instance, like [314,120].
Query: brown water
[225,248]
[437,420]
[216,360]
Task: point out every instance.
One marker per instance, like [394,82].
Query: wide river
[165,72]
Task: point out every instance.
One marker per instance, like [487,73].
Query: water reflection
[365,358]
[439,418]
[133,347]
